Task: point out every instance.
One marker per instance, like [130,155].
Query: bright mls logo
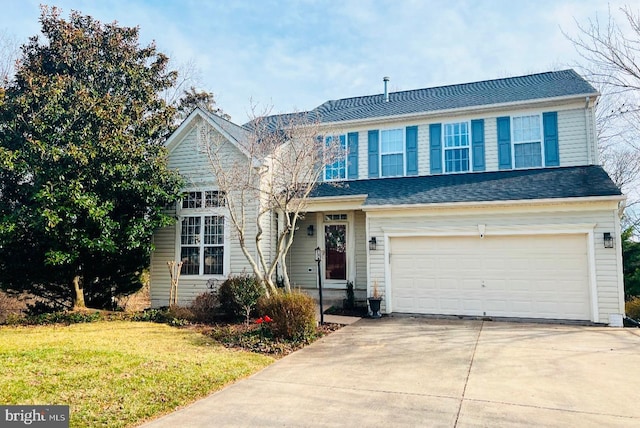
[35,416]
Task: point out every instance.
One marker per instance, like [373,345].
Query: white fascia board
[549,201]
[184,126]
[468,110]
[332,203]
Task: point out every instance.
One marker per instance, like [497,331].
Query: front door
[335,244]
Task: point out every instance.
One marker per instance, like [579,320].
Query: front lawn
[116,374]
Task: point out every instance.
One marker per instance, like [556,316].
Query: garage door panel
[539,276]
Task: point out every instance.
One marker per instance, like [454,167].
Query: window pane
[526,129]
[213,260]
[456,135]
[528,155]
[192,200]
[190,234]
[214,230]
[337,170]
[392,165]
[391,141]
[335,242]
[214,199]
[456,160]
[190,257]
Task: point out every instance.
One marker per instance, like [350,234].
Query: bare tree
[611,51]
[9,49]
[284,162]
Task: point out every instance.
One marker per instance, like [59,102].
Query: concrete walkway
[438,373]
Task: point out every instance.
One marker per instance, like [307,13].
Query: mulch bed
[251,338]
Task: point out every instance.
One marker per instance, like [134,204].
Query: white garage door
[539,276]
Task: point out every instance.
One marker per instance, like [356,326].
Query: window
[202,234]
[212,199]
[456,147]
[338,169]
[527,141]
[392,152]
[202,248]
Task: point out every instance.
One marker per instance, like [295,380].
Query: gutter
[613,198]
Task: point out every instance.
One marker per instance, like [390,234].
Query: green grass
[115,374]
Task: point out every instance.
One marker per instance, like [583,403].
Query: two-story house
[478,199]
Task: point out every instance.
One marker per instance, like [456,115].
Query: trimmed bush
[293,315]
[239,295]
[632,308]
[204,307]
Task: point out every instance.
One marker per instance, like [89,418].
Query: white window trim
[513,143]
[403,152]
[445,148]
[346,159]
[202,212]
[321,221]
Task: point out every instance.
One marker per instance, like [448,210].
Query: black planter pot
[374,304]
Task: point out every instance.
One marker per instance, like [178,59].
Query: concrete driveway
[402,371]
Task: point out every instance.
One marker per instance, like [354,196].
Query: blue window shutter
[435,148]
[373,154]
[352,157]
[412,150]
[504,142]
[551,150]
[477,144]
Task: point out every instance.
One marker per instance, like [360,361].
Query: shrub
[62,318]
[204,307]
[239,295]
[632,308]
[293,315]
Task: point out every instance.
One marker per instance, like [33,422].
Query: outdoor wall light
[310,230]
[372,243]
[608,240]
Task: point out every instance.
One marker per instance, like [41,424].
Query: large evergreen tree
[83,173]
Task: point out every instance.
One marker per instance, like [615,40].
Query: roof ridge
[567,70]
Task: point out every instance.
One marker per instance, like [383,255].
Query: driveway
[402,371]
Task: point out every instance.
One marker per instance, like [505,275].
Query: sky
[284,56]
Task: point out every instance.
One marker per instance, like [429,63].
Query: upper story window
[203,244]
[392,152]
[338,169]
[456,147]
[527,141]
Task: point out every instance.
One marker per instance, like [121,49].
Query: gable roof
[554,84]
[530,184]
[237,132]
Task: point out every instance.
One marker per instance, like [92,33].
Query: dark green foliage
[84,179]
[350,301]
[239,295]
[631,264]
[293,315]
[205,307]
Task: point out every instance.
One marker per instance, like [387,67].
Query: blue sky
[294,55]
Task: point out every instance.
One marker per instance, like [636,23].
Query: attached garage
[525,276]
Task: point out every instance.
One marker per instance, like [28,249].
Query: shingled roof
[488,92]
[549,183]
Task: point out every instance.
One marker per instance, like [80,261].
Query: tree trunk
[78,298]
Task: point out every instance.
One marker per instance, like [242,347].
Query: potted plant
[374,301]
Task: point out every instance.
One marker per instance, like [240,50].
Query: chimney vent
[386,91]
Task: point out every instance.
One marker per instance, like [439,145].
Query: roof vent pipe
[386,92]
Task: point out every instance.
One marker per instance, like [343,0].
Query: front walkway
[402,371]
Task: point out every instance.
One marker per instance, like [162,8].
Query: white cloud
[301,53]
